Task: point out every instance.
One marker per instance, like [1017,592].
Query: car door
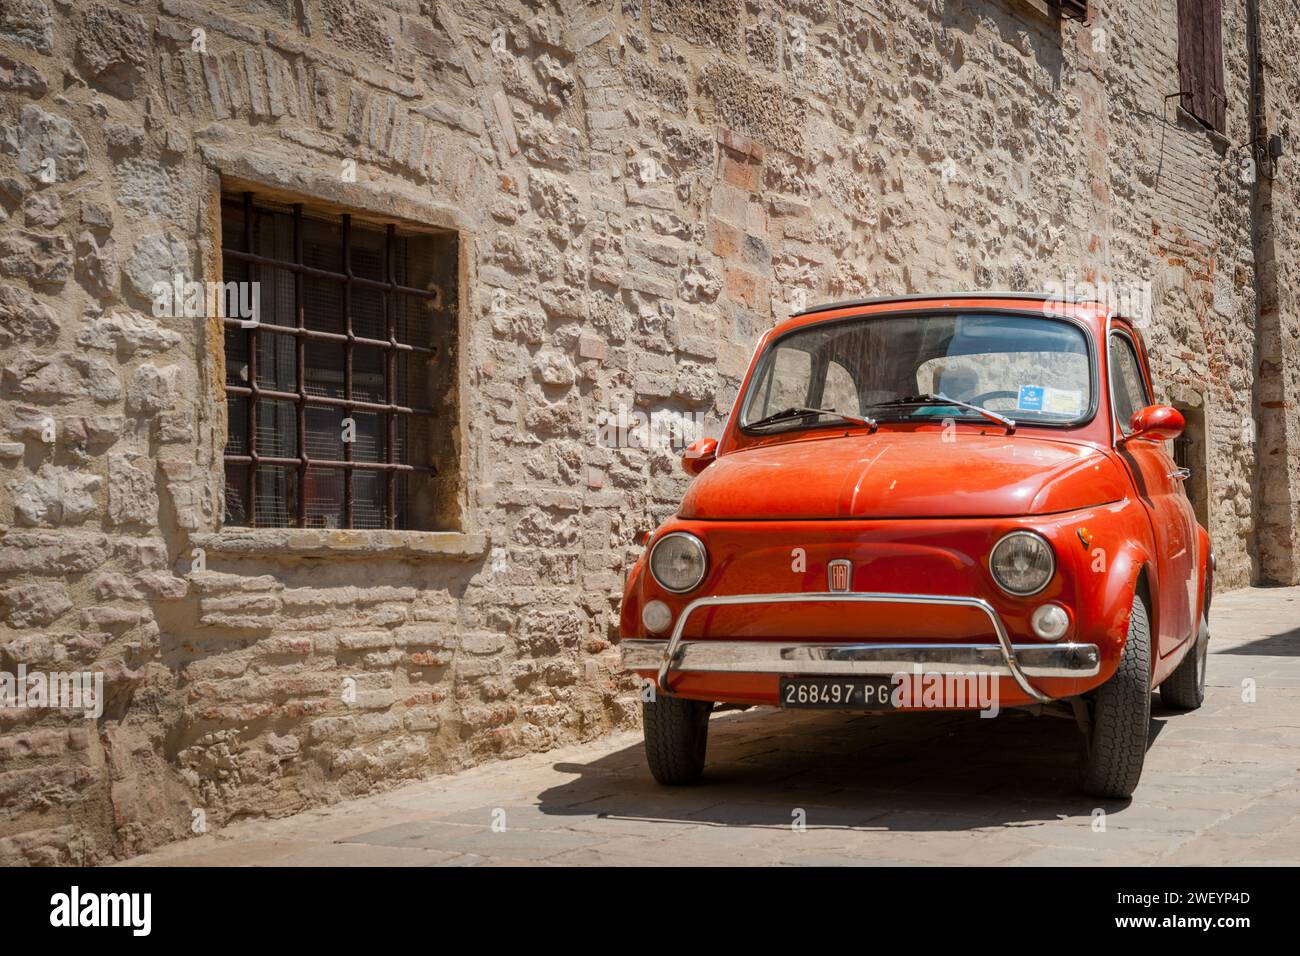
[1159,484]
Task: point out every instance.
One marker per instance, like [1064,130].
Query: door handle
[1180,474]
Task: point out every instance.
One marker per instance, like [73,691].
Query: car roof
[1089,310]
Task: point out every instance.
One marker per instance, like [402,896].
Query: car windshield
[1033,370]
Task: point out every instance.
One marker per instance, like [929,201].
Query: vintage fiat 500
[914,495]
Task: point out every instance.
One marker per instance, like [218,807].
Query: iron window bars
[301,482]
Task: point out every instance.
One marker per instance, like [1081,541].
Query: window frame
[1122,426]
[389,465]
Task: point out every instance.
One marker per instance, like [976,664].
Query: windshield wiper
[929,399]
[802,411]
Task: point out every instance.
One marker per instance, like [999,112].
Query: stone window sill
[291,543]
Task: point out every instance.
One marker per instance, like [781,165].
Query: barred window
[331,386]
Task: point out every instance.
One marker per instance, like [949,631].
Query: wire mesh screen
[329,395]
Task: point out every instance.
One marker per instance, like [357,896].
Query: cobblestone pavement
[1220,787]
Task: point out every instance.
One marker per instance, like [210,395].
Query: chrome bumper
[1017,661]
[775,657]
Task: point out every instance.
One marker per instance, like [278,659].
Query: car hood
[916,474]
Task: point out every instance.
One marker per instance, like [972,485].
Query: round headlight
[1022,563]
[677,561]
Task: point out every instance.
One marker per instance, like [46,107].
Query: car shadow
[912,772]
[1282,644]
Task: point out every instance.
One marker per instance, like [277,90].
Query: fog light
[1050,622]
[656,617]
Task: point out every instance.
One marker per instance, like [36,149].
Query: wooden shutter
[1075,9]
[1200,61]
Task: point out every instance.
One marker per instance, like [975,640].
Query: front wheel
[676,735]
[1120,716]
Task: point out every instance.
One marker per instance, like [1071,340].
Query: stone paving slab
[1221,786]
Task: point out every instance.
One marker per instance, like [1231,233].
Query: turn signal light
[1050,622]
[656,616]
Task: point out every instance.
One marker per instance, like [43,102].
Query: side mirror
[1156,423]
[699,455]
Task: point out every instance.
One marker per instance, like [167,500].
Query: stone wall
[639,188]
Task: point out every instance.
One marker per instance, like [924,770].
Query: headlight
[677,561]
[1022,563]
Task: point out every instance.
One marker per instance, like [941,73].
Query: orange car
[958,502]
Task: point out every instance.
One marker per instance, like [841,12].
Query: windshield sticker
[1053,401]
[1031,398]
[1063,401]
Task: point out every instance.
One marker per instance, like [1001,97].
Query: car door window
[1127,387]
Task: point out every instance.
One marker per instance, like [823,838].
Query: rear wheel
[676,735]
[1120,716]
[1184,689]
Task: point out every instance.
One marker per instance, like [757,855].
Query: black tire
[1184,689]
[676,736]
[1121,716]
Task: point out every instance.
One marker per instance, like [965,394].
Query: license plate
[822,693]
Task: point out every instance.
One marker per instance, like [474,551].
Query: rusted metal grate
[333,344]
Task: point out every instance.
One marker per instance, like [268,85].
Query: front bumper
[795,659]
[1017,661]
